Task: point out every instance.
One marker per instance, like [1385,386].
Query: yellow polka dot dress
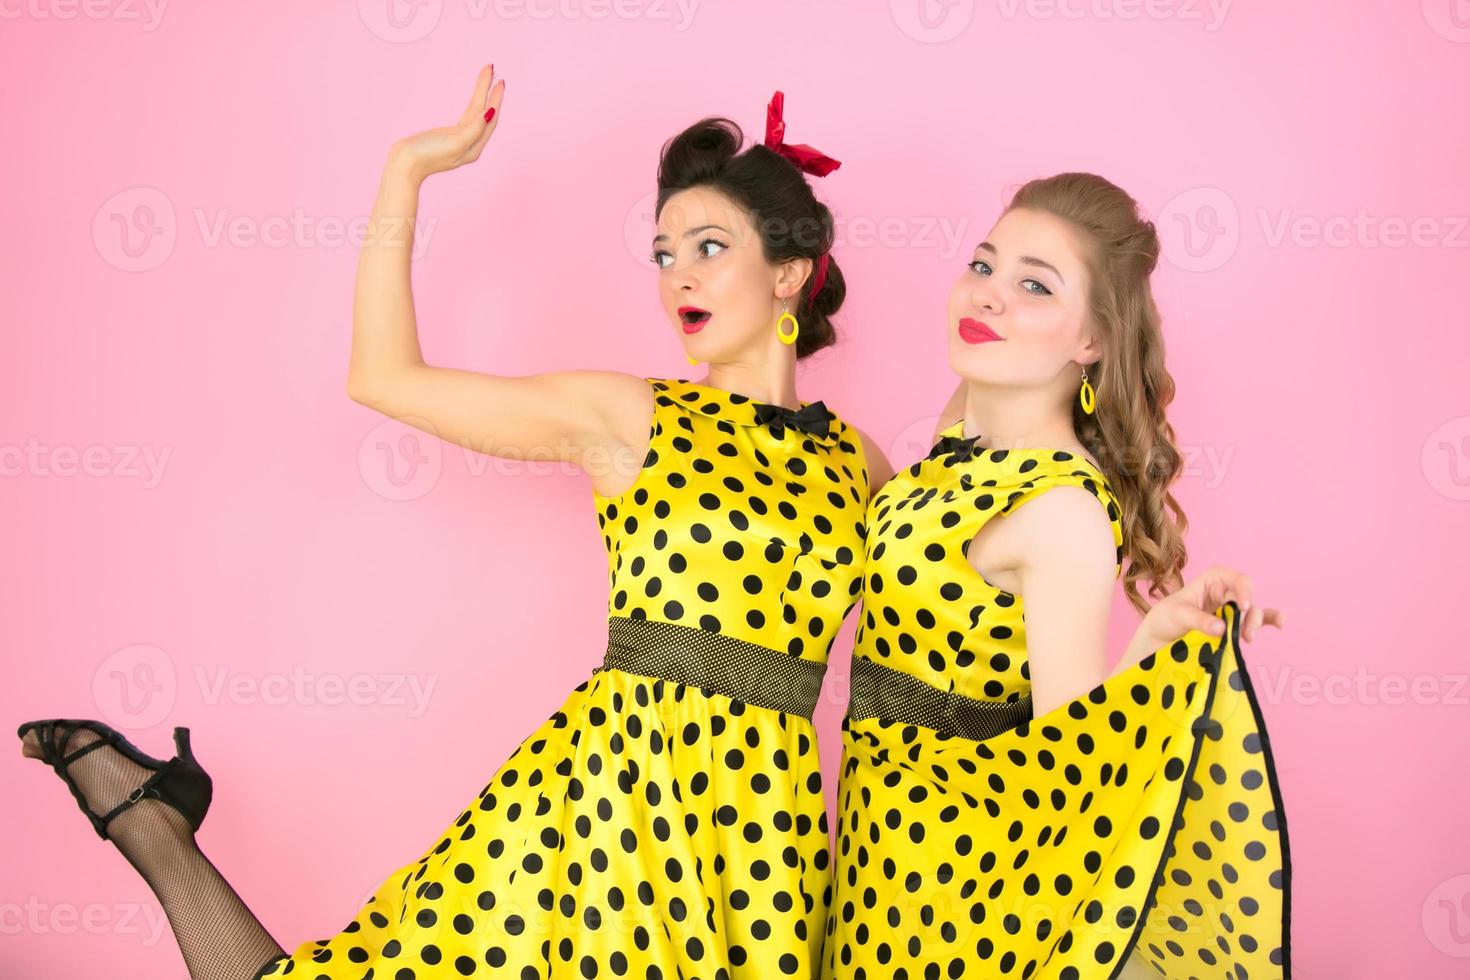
[667,821]
[1140,821]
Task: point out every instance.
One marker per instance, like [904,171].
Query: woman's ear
[1091,351]
[792,276]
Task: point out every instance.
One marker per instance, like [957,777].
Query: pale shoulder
[1063,524]
[624,401]
[609,407]
[588,384]
[880,470]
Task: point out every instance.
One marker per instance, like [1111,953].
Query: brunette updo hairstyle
[790,220]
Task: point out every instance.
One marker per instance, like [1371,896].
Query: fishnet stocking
[218,935]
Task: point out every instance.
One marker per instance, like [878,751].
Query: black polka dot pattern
[1141,820]
[651,828]
[762,533]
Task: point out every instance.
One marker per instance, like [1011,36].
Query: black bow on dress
[813,418]
[963,447]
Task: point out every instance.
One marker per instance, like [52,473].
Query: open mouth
[693,316]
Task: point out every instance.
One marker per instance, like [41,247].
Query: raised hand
[1193,606]
[447,147]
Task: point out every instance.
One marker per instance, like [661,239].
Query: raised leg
[218,935]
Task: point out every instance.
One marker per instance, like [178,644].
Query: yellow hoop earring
[786,338]
[1088,395]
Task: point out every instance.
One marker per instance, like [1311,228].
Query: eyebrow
[1027,259]
[690,232]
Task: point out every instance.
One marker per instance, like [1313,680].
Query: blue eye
[1039,286]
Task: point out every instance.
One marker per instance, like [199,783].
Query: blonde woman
[1008,808]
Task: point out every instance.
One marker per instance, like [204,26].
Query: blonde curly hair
[1128,433]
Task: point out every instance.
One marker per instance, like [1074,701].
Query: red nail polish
[489,113]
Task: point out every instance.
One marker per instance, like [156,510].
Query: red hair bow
[807,159]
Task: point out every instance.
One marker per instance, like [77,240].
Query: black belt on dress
[891,695]
[715,663]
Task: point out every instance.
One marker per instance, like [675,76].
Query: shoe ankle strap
[146,788]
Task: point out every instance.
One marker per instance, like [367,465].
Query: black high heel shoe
[179,782]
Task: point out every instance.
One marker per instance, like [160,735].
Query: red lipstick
[694,318]
[972,331]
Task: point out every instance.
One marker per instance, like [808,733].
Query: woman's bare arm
[1061,549]
[880,470]
[581,416]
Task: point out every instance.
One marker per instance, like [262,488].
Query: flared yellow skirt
[647,829]
[1140,820]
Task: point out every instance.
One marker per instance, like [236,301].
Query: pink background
[1305,167]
